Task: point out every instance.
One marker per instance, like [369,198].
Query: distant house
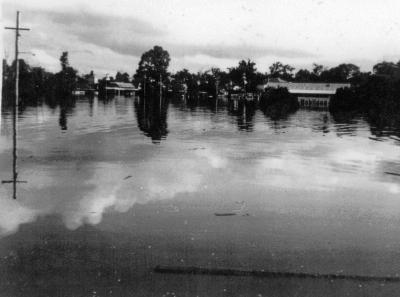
[309,94]
[121,88]
[85,85]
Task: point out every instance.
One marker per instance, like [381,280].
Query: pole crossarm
[14,181]
[13,28]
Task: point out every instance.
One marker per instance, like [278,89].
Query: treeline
[376,93]
[153,69]
[35,83]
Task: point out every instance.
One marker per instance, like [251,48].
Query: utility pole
[160,85]
[106,85]
[15,180]
[144,85]
[160,91]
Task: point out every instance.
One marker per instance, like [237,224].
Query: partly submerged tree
[278,103]
[153,65]
[184,81]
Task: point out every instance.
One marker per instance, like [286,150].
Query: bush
[345,99]
[278,102]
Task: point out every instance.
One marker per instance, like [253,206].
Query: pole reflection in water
[14,180]
[244,112]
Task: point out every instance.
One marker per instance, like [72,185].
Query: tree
[66,78]
[34,82]
[317,70]
[183,81]
[245,74]
[206,82]
[153,64]
[279,70]
[386,68]
[124,77]
[40,79]
[340,73]
[303,75]
[26,85]
[278,103]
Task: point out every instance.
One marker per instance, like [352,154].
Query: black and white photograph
[200,148]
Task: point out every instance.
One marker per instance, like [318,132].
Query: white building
[309,94]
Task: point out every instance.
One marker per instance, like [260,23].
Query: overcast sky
[107,36]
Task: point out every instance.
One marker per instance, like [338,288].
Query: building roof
[276,80]
[123,85]
[308,88]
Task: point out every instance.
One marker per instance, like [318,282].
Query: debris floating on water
[197,148]
[127,177]
[225,214]
[392,173]
[234,212]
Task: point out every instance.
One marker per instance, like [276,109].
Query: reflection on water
[66,109]
[244,112]
[151,115]
[104,204]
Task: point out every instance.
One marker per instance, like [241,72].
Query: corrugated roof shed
[123,85]
[308,88]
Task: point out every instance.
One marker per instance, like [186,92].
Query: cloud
[109,190]
[124,35]
[238,51]
[213,158]
[84,197]
[13,214]
[45,60]
[133,36]
[103,23]
[188,29]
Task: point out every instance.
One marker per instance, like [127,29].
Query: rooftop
[123,85]
[308,88]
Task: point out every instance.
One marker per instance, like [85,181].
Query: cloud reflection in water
[205,163]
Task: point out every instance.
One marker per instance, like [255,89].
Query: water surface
[116,187]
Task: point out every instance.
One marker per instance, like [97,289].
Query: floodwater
[116,187]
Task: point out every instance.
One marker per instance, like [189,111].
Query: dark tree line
[376,93]
[36,84]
